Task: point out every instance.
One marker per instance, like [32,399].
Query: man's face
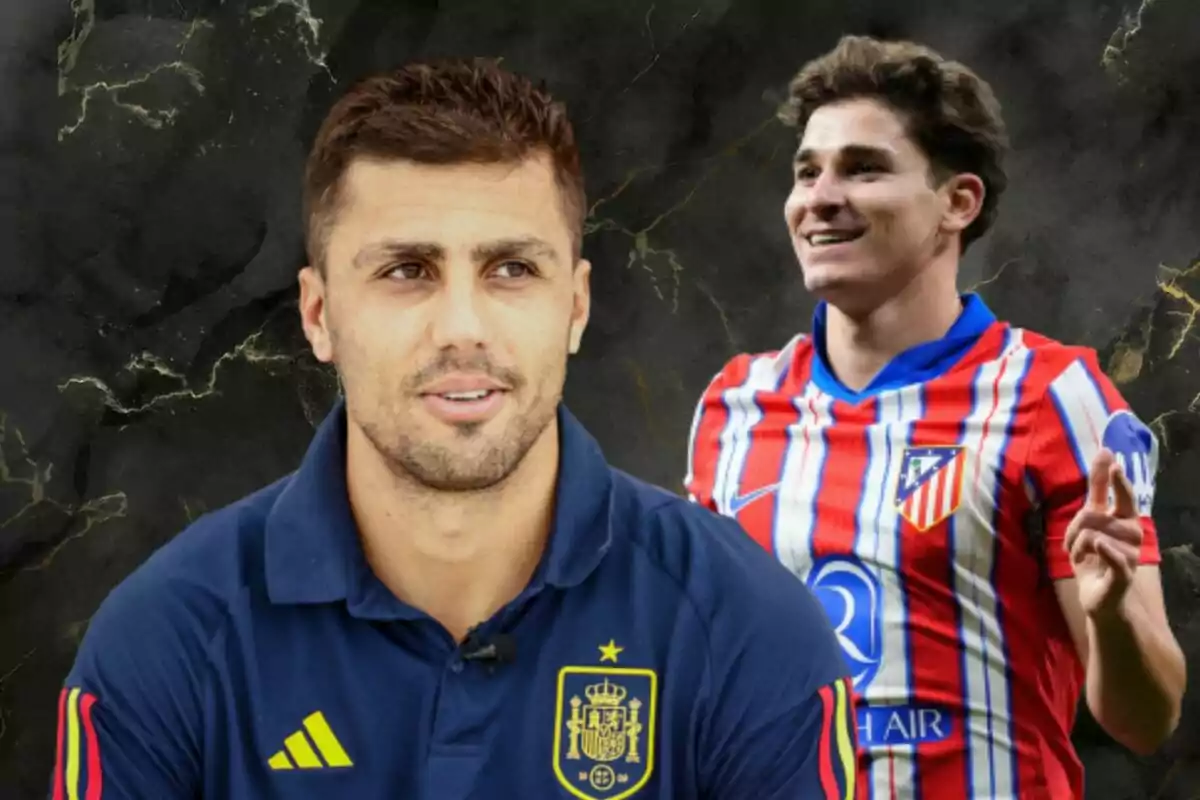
[864,214]
[449,304]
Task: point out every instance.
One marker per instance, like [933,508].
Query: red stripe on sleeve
[95,776]
[829,783]
[709,420]
[862,760]
[62,732]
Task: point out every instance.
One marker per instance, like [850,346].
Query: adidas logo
[299,749]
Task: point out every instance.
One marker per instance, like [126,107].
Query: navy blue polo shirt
[657,652]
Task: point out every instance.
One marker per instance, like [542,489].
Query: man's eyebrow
[808,154]
[395,249]
[529,246]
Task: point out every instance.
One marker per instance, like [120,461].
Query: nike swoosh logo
[741,501]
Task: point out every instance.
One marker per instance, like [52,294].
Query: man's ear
[964,193]
[582,302]
[313,316]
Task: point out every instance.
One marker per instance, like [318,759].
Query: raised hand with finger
[1105,537]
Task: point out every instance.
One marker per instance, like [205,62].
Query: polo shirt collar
[314,555]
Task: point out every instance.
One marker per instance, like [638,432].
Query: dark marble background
[151,362]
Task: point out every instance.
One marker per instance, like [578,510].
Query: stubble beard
[472,460]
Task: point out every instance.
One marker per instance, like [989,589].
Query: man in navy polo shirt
[455,596]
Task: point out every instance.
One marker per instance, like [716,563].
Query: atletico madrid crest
[930,486]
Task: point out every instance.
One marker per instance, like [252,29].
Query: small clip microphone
[498,649]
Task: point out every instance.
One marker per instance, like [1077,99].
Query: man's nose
[826,194]
[459,314]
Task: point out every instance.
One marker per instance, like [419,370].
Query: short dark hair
[445,111]
[952,114]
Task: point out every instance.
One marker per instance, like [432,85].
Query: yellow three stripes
[845,745]
[302,752]
[73,744]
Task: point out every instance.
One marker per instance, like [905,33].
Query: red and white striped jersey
[928,515]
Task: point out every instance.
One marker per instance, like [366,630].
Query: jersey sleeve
[130,715]
[1081,412]
[782,713]
[807,751]
[704,439]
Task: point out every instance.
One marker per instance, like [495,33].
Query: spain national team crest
[604,730]
[931,484]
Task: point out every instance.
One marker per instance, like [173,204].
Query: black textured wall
[151,365]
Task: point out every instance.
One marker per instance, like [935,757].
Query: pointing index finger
[1098,479]
[1126,503]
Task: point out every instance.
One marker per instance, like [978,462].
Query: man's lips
[464,387]
[459,407]
[464,397]
[830,236]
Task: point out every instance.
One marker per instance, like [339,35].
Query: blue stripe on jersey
[960,615]
[904,621]
[887,466]
[1018,392]
[883,495]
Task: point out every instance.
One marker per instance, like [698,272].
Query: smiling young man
[970,501]
[454,596]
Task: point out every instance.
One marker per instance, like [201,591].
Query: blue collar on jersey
[313,553]
[917,364]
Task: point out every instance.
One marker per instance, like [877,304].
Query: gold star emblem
[609,652]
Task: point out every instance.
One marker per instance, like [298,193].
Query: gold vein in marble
[83,19]
[93,513]
[38,475]
[18,468]
[1170,284]
[721,313]
[643,252]
[307,25]
[251,350]
[4,678]
[1113,59]
[656,54]
[112,90]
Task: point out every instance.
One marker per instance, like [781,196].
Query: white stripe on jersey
[800,481]
[992,768]
[764,375]
[879,529]
[1083,411]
